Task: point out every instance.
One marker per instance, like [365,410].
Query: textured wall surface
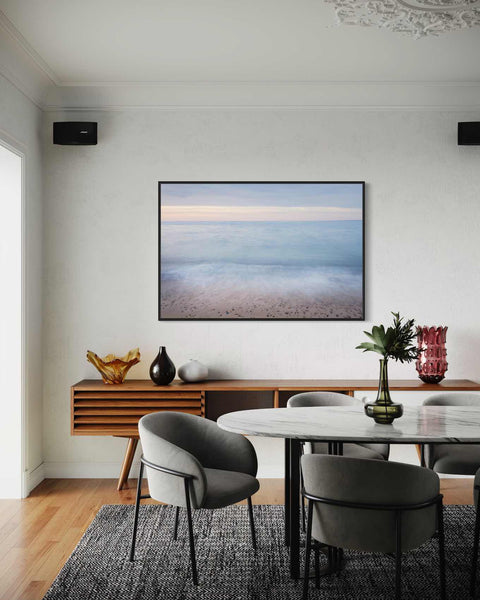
[20,126]
[100,287]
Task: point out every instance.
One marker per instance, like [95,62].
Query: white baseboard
[11,487]
[34,478]
[87,470]
[101,470]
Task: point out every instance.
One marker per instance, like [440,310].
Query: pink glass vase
[432,360]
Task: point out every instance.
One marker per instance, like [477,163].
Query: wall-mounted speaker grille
[75,133]
[469,133]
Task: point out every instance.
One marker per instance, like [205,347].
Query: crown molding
[26,70]
[265,83]
[257,95]
[22,66]
[13,32]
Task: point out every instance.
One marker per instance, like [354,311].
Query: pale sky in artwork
[261,202]
[260,213]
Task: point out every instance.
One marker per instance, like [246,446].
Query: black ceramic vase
[162,369]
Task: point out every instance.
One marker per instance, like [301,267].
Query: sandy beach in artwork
[184,301]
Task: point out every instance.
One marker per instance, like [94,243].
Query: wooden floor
[38,534]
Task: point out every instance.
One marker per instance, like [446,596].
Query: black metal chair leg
[335,559]
[252,524]
[340,560]
[441,548]
[476,536]
[317,565]
[135,516]
[190,532]
[302,499]
[398,556]
[330,559]
[175,528]
[304,519]
[307,550]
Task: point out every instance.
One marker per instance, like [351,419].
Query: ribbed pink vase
[432,361]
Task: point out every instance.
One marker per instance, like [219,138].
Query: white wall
[422,250]
[20,126]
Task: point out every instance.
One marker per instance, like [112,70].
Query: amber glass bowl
[113,368]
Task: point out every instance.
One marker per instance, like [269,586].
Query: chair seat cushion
[227,487]
[456,459]
[350,450]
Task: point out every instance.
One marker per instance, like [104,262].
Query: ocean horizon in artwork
[247,251]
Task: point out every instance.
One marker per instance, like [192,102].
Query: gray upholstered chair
[372,506]
[373,451]
[476,534]
[192,463]
[454,459]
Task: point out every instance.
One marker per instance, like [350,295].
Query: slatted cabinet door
[112,412]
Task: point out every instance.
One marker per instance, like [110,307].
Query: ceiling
[112,41]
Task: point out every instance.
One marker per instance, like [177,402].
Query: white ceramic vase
[193,371]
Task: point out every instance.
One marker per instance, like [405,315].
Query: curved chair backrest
[369,482]
[321,399]
[190,444]
[453,399]
[465,458]
[334,399]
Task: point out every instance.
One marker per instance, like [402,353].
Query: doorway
[11,323]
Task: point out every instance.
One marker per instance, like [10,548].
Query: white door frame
[12,144]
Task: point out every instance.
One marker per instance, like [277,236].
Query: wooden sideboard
[100,409]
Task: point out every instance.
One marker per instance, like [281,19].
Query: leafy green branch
[397,342]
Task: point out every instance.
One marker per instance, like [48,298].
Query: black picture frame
[273,319]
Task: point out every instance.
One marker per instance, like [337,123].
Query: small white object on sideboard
[193,371]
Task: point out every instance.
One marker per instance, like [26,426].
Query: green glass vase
[383,410]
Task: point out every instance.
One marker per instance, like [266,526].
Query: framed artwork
[261,250]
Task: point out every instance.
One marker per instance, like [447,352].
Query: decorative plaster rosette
[417,18]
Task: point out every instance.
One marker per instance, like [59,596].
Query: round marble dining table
[339,424]
[419,424]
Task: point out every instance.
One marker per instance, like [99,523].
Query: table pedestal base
[293,452]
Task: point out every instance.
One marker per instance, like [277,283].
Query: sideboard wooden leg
[127,462]
[276,399]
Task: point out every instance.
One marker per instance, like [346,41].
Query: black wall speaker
[75,133]
[469,134]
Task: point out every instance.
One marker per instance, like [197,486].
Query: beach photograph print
[261,251]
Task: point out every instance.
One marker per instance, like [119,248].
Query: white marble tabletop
[422,424]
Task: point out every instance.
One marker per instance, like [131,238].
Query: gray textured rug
[229,569]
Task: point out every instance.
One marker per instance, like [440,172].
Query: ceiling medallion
[418,18]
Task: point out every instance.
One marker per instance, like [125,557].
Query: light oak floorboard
[39,533]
